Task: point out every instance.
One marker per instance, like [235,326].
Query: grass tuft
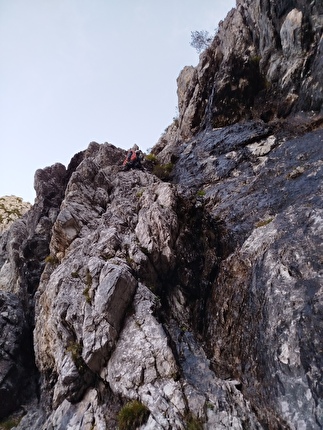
[133,415]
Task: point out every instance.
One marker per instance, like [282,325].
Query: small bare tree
[200,40]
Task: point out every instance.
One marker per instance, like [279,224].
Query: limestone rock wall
[97,305]
[198,296]
[263,324]
[264,62]
[24,247]
[140,271]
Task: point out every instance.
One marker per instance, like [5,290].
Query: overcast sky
[76,71]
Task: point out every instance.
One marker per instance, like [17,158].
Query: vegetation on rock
[11,208]
[133,415]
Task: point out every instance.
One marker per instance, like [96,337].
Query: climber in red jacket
[133,159]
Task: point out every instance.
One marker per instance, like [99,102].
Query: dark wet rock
[15,362]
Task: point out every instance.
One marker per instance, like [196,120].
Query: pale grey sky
[76,71]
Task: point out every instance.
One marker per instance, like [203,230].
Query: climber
[133,159]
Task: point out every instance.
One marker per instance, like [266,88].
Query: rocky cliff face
[194,301]
[265,62]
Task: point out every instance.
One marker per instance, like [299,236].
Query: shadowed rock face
[264,320]
[14,363]
[24,248]
[200,296]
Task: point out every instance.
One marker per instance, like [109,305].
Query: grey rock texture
[24,248]
[265,62]
[113,240]
[264,321]
[11,208]
[200,295]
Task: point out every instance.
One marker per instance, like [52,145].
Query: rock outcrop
[265,62]
[11,208]
[193,301]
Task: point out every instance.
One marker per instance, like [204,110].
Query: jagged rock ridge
[201,296]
